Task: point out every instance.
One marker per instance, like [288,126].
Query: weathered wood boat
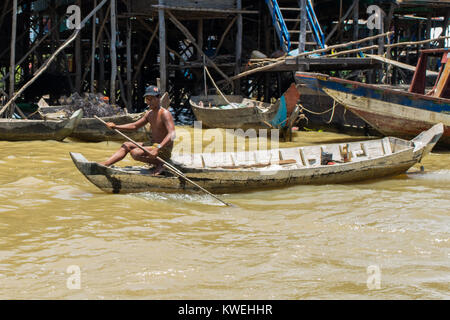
[242,113]
[25,130]
[92,130]
[234,172]
[394,112]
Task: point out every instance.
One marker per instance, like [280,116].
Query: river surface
[62,238]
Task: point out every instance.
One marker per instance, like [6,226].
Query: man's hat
[152,91]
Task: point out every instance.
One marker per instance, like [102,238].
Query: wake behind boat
[238,171]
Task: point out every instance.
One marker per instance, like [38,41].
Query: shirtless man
[163,134]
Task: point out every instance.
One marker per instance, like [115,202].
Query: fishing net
[92,104]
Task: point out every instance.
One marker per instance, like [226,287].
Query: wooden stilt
[113,78]
[162,49]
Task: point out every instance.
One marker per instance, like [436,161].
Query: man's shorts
[164,153]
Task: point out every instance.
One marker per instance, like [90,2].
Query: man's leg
[120,154]
[139,155]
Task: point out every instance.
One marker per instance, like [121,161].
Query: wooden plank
[400,64]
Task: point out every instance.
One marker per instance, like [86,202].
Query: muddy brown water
[381,239]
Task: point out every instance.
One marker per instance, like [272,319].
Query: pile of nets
[93,104]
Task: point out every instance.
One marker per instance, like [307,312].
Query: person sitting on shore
[163,134]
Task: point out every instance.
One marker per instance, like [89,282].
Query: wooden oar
[167,165]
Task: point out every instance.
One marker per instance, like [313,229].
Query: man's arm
[130,126]
[170,126]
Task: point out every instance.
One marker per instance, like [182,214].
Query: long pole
[166,164]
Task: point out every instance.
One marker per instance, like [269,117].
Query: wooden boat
[234,172]
[25,130]
[241,113]
[92,130]
[394,112]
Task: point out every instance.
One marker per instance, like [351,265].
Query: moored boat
[25,130]
[394,112]
[237,112]
[235,172]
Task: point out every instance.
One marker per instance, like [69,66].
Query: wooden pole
[340,21]
[355,20]
[113,41]
[238,60]
[12,59]
[94,41]
[162,49]
[303,22]
[129,65]
[200,37]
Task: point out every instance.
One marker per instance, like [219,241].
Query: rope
[217,88]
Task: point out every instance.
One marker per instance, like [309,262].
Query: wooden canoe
[25,130]
[92,130]
[234,172]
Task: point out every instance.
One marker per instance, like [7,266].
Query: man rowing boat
[163,134]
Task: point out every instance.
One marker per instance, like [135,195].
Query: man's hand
[154,151]
[111,125]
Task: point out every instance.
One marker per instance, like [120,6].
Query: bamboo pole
[273,65]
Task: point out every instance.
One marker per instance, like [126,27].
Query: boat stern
[426,140]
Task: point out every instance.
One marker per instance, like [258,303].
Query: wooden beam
[186,32]
[238,57]
[162,49]
[12,64]
[282,61]
[400,64]
[93,42]
[224,11]
[303,22]
[113,53]
[129,65]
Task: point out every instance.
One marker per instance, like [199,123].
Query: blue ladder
[280,25]
[284,33]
